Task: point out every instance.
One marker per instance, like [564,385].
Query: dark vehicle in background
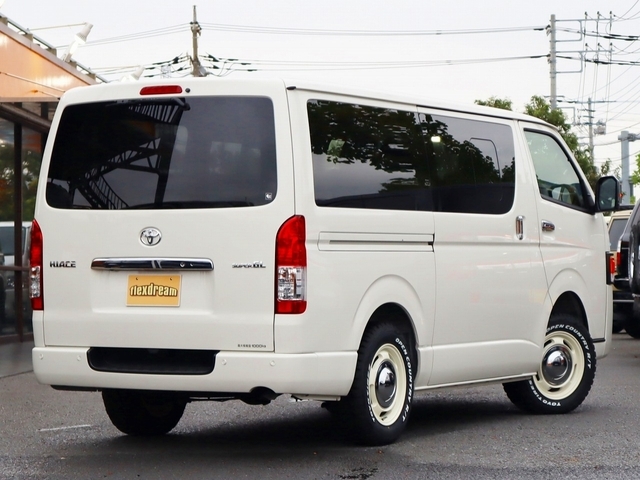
[3,291]
[8,244]
[627,279]
[622,298]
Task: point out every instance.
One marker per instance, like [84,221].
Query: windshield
[616,227]
[200,152]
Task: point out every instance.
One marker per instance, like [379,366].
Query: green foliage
[540,108]
[496,102]
[30,170]
[635,177]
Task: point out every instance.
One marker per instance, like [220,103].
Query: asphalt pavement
[453,434]
[15,358]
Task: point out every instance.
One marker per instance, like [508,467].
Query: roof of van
[90,93]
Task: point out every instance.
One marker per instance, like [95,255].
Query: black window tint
[199,152]
[473,164]
[367,157]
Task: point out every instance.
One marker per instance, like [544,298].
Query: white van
[246,238]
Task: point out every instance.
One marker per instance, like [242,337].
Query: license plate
[154,290]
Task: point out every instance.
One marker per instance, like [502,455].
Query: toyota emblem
[150,236]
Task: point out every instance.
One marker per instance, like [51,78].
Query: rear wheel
[565,373]
[380,398]
[143,413]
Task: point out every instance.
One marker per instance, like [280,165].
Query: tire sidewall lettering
[588,366]
[408,397]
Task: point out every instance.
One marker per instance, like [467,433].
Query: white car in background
[8,244]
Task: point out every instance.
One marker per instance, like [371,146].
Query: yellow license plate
[154,290]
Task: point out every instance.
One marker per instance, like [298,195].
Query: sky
[455,51]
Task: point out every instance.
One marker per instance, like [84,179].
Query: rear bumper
[328,374]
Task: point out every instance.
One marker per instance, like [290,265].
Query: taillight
[611,267]
[161,90]
[35,276]
[291,267]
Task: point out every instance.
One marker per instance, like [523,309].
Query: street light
[133,76]
[80,39]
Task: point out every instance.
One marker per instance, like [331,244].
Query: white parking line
[64,428]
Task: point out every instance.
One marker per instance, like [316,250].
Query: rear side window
[368,157]
[380,158]
[200,152]
[473,164]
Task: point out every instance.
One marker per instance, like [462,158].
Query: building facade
[32,80]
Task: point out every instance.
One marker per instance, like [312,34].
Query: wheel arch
[392,298]
[569,303]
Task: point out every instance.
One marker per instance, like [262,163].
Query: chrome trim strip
[190,264]
[372,242]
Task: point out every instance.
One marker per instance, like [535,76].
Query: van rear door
[161,216]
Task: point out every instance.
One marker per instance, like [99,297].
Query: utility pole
[600,127]
[552,63]
[590,117]
[582,53]
[196,67]
[626,137]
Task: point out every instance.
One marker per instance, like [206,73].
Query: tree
[496,102]
[30,170]
[538,107]
[635,177]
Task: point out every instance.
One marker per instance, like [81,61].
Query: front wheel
[565,373]
[380,398]
[632,322]
[143,413]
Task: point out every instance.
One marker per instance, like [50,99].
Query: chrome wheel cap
[557,365]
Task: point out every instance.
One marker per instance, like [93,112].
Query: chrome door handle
[548,226]
[520,227]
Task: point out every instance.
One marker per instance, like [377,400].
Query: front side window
[557,178]
[199,152]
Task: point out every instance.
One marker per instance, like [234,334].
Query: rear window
[200,152]
[616,227]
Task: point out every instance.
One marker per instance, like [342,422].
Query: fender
[420,311]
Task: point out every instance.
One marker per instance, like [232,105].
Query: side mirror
[607,194]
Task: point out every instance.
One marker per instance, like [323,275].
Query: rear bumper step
[237,372]
[154,361]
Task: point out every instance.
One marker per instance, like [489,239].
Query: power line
[382,33]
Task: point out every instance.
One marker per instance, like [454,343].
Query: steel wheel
[378,406]
[387,384]
[562,366]
[565,373]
